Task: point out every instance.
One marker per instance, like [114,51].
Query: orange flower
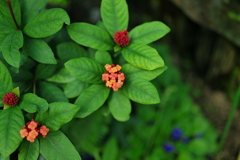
[44,130]
[32,125]
[24,133]
[113,77]
[32,130]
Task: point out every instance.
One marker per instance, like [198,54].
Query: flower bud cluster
[10,99]
[122,38]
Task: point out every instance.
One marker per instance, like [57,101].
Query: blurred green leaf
[46,23]
[44,71]
[58,114]
[110,150]
[142,56]
[51,92]
[91,99]
[114,15]
[32,103]
[10,48]
[140,91]
[39,50]
[61,76]
[57,146]
[11,122]
[29,150]
[85,69]
[103,57]
[90,36]
[75,88]
[119,105]
[132,71]
[148,32]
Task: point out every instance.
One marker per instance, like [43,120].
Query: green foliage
[11,121]
[54,147]
[79,81]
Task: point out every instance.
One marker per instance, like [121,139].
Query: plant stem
[230,118]
[13,16]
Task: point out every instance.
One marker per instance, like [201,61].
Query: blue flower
[177,133]
[185,140]
[168,147]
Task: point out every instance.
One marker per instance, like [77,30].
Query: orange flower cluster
[113,78]
[32,129]
[122,38]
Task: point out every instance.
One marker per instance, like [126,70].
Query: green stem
[13,16]
[230,118]
[96,155]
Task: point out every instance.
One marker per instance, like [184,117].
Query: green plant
[41,89]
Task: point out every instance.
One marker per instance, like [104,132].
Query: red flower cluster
[10,99]
[113,78]
[32,129]
[122,38]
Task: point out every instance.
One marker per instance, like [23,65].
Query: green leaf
[5,81]
[85,69]
[76,51]
[51,92]
[142,56]
[132,71]
[29,150]
[30,9]
[75,88]
[91,99]
[4,158]
[90,36]
[148,32]
[32,103]
[57,146]
[62,76]
[58,114]
[11,122]
[44,71]
[114,15]
[39,50]
[46,23]
[103,57]
[110,151]
[10,48]
[141,91]
[119,105]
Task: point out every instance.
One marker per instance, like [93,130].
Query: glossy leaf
[44,71]
[90,36]
[5,81]
[148,32]
[91,99]
[76,51]
[29,150]
[61,76]
[10,48]
[103,57]
[132,71]
[119,105]
[39,50]
[11,122]
[110,151]
[114,15]
[46,23]
[51,92]
[141,91]
[30,9]
[75,88]
[142,56]
[32,103]
[57,146]
[58,114]
[85,69]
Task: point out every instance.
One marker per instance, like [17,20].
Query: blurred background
[197,90]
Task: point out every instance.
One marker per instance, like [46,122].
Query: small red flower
[10,99]
[113,78]
[122,38]
[32,129]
